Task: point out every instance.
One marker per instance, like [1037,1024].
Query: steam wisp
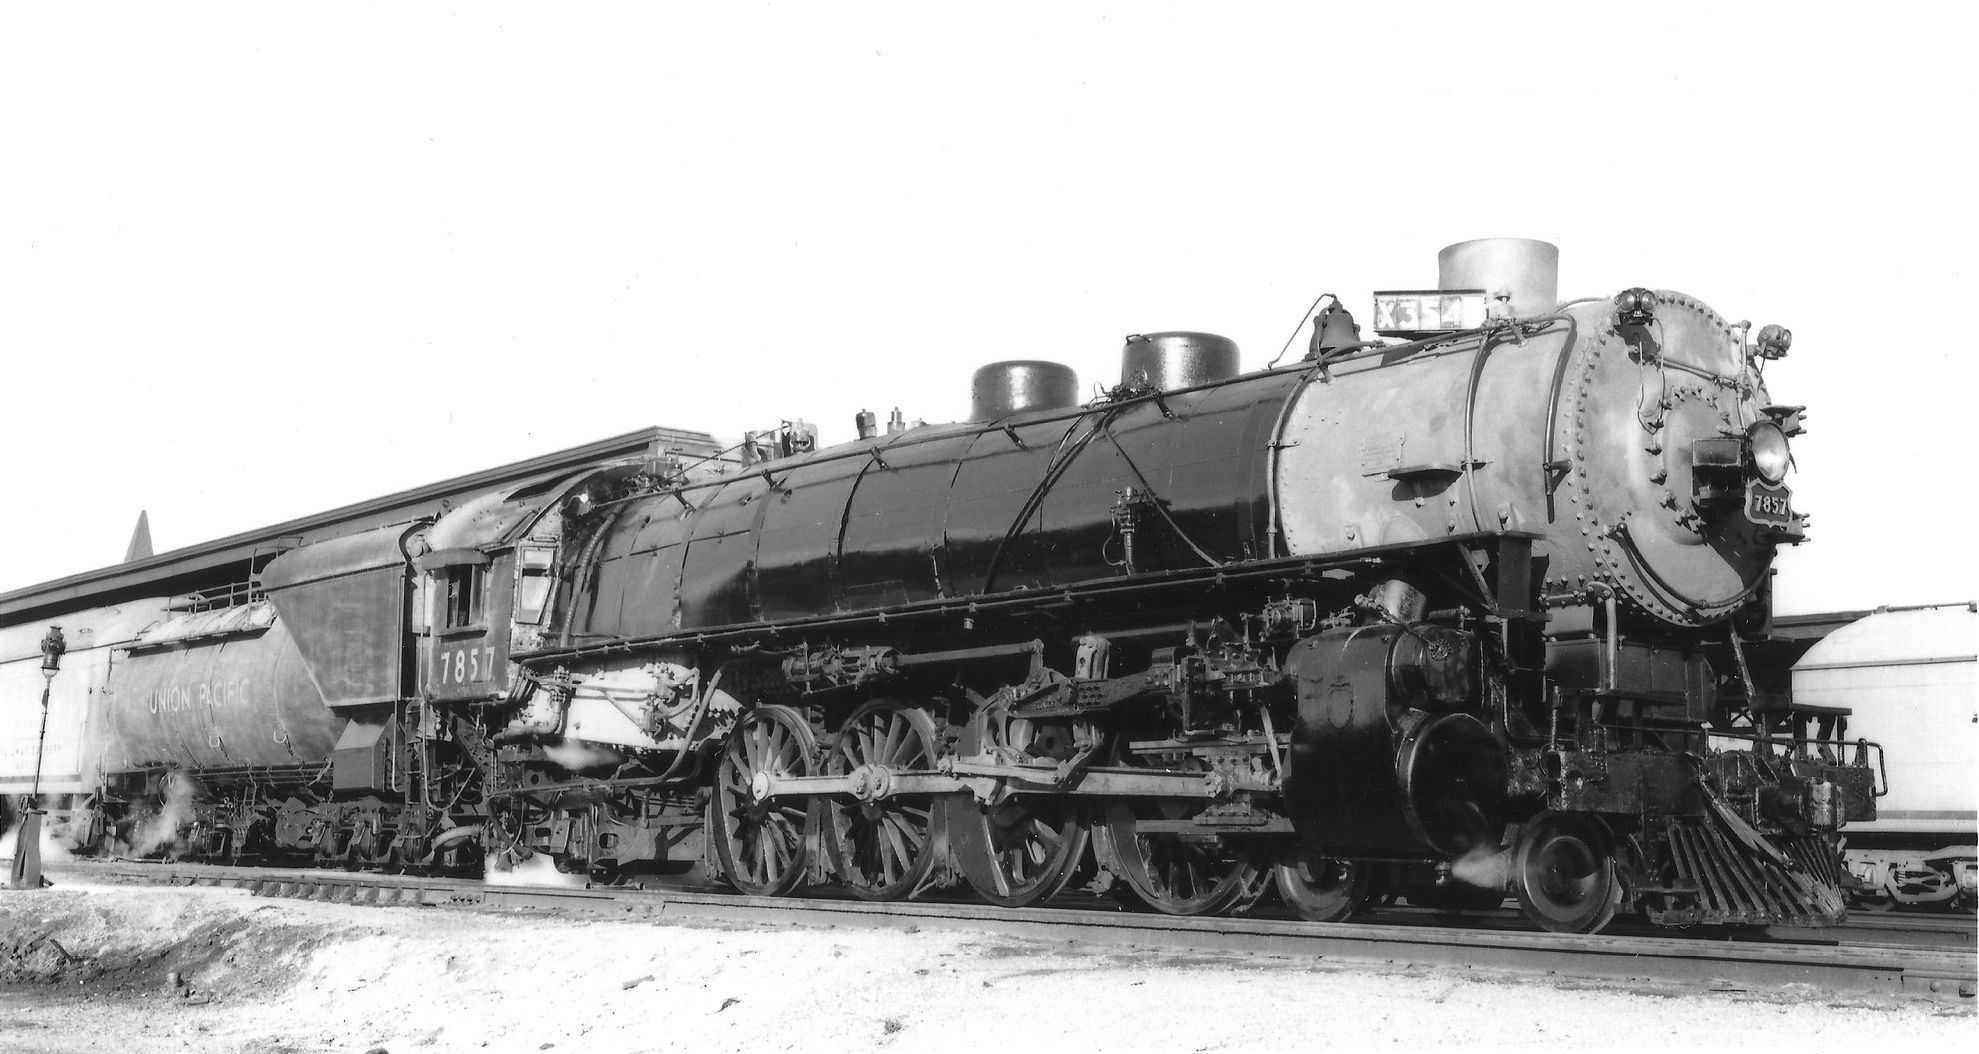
[579,756]
[534,870]
[1482,867]
[161,829]
[52,850]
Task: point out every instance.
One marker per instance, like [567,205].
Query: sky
[258,261]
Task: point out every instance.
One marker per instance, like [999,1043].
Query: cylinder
[1525,267]
[1004,388]
[1167,361]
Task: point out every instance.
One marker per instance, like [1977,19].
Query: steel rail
[1666,964]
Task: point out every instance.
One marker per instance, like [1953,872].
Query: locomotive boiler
[1448,615]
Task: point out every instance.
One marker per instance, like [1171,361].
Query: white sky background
[259,261]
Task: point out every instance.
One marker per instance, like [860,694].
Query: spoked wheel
[883,844]
[1177,874]
[1565,874]
[1024,849]
[1321,889]
[759,840]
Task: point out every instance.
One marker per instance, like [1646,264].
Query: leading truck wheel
[1565,874]
[1321,889]
[761,841]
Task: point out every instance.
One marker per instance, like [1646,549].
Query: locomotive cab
[467,622]
[486,577]
[544,737]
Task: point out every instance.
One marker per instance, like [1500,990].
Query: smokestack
[1527,268]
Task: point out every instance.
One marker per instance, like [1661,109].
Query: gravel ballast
[136,970]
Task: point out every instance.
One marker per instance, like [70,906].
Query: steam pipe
[687,733]
[454,834]
[1612,645]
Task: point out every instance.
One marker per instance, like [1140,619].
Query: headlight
[1769,450]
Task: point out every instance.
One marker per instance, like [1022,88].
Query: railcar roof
[1924,635]
[233,558]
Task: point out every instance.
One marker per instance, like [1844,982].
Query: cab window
[464,587]
[532,589]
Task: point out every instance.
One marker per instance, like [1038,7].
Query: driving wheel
[1174,872]
[882,843]
[1024,849]
[759,839]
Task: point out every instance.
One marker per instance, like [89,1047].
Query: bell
[1333,329]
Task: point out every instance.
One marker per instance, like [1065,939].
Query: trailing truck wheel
[1565,874]
[1321,889]
[762,843]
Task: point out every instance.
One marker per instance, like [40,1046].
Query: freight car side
[68,755]
[1911,677]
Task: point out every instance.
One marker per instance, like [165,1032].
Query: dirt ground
[138,970]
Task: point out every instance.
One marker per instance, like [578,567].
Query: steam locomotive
[1452,613]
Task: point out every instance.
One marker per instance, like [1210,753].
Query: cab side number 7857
[466,665]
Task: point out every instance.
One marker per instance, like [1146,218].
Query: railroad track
[1897,929]
[1839,962]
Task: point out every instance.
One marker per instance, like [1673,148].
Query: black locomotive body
[1453,616]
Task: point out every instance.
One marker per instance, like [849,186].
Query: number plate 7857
[1769,504]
